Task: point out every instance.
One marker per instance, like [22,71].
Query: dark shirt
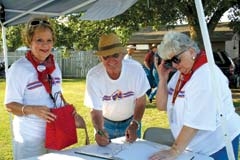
[149,59]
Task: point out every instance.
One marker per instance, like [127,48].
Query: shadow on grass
[150,105]
[74,79]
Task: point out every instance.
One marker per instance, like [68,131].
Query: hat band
[110,46]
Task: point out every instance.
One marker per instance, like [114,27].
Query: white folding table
[118,149]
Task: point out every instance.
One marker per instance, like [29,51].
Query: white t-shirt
[22,86]
[196,107]
[127,56]
[116,98]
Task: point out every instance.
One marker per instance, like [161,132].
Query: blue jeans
[153,93]
[117,128]
[222,153]
[150,77]
[155,75]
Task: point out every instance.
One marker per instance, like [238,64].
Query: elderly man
[115,92]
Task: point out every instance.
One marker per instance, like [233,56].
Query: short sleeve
[141,81]
[201,110]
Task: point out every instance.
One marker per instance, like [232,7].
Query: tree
[234,16]
[84,35]
[13,36]
[72,32]
[165,13]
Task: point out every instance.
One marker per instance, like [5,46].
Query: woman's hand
[163,72]
[42,112]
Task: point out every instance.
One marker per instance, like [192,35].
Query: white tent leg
[208,48]
[6,69]
[5,47]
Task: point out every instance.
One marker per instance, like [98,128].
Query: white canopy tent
[14,12]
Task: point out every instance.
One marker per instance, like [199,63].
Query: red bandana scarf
[183,78]
[44,70]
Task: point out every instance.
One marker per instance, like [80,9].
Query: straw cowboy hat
[109,44]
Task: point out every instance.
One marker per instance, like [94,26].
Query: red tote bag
[62,132]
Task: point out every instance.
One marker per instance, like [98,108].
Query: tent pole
[4,47]
[4,42]
[208,48]
[29,11]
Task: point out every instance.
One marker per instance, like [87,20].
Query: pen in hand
[101,133]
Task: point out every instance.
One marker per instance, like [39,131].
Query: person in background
[148,68]
[31,85]
[157,61]
[115,92]
[195,117]
[130,51]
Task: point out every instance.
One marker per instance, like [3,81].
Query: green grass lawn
[74,93]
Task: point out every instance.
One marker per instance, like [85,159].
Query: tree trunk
[195,31]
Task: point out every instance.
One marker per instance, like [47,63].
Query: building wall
[232,46]
[222,39]
[139,55]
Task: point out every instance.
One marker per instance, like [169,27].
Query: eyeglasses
[175,59]
[37,22]
[115,56]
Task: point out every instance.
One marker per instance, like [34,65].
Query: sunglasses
[115,56]
[37,22]
[175,59]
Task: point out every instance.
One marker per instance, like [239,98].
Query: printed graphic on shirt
[37,84]
[180,94]
[117,95]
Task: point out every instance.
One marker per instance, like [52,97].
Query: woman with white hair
[189,100]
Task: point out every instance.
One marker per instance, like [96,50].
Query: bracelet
[138,124]
[23,110]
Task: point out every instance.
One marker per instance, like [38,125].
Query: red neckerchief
[43,72]
[183,78]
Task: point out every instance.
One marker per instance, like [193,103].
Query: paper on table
[140,150]
[107,152]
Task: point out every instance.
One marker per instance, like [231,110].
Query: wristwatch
[138,123]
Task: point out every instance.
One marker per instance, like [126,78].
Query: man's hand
[131,132]
[102,138]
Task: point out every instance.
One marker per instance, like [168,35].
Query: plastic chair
[81,124]
[159,135]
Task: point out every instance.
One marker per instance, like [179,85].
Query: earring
[193,58]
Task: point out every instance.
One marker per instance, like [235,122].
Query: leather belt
[119,121]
